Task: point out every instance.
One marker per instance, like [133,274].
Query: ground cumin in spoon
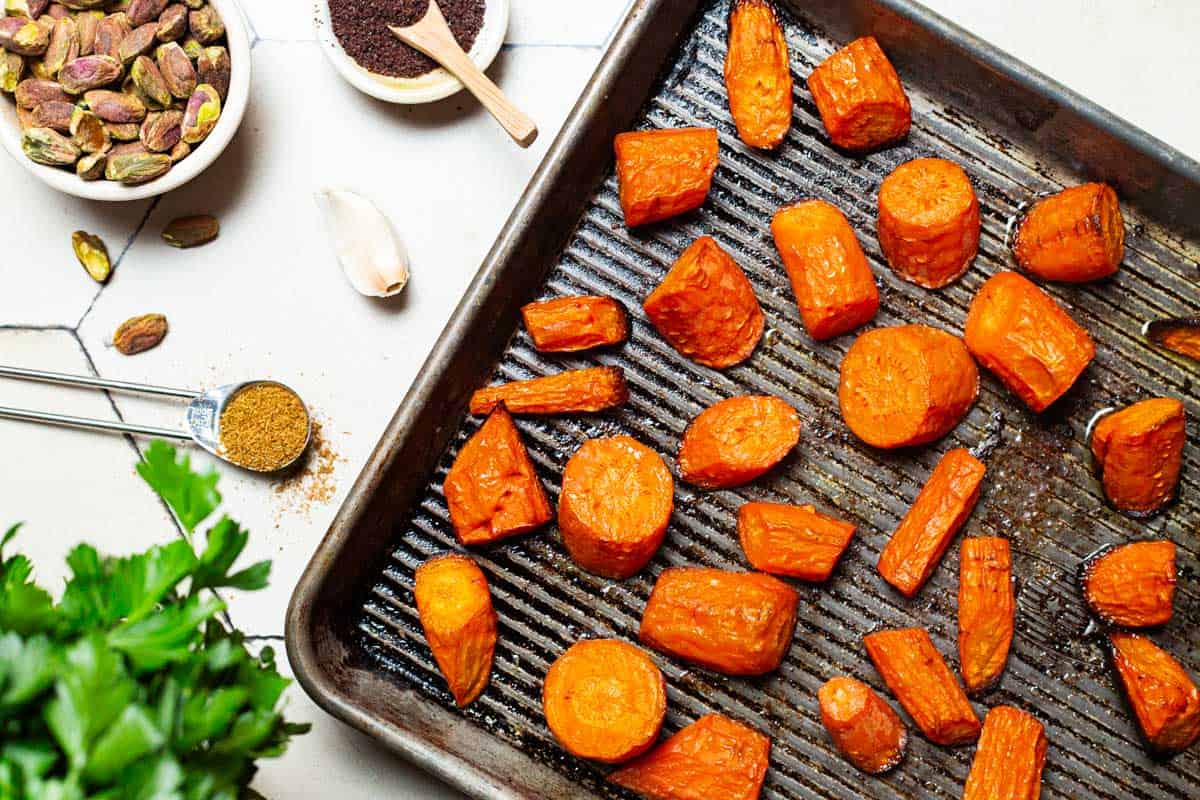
[361,27]
[264,427]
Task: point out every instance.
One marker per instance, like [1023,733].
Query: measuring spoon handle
[92,383]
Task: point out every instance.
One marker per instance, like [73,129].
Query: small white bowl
[237,34]
[435,85]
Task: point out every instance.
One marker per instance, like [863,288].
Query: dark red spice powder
[362,28]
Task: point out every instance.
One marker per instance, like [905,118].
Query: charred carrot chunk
[928,221]
[985,610]
[1008,762]
[863,727]
[860,97]
[605,700]
[664,173]
[906,386]
[1164,698]
[1076,235]
[570,324]
[736,440]
[492,490]
[833,283]
[616,501]
[705,307]
[794,541]
[572,392]
[1139,451]
[940,510]
[758,75]
[915,672]
[455,607]
[714,757]
[738,623]
[1018,332]
[1132,585]
[1180,335]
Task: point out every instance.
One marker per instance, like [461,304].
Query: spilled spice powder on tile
[263,427]
[312,482]
[361,27]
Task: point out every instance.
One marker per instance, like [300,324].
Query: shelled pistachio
[133,169]
[92,254]
[150,82]
[162,130]
[63,46]
[23,36]
[114,106]
[138,43]
[12,67]
[88,72]
[177,70]
[206,25]
[202,114]
[214,68]
[49,147]
[173,23]
[32,92]
[56,115]
[88,132]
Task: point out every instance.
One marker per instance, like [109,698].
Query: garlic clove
[371,255]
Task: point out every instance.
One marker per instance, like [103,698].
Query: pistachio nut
[92,254]
[135,168]
[206,25]
[23,36]
[91,167]
[25,118]
[88,132]
[57,11]
[49,147]
[83,5]
[129,148]
[123,131]
[177,70]
[191,231]
[31,9]
[56,114]
[138,334]
[12,66]
[142,11]
[32,92]
[173,23]
[138,43]
[150,82]
[88,23]
[63,42]
[214,68]
[89,72]
[114,106]
[191,47]
[46,21]
[180,151]
[202,114]
[111,31]
[37,69]
[162,130]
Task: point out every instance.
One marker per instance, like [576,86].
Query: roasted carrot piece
[863,727]
[1163,696]
[664,173]
[605,700]
[794,541]
[1018,332]
[860,97]
[570,324]
[1139,451]
[915,672]
[941,508]
[705,307]
[1181,335]
[1074,236]
[928,221]
[616,500]
[714,757]
[455,607]
[736,440]
[492,490]
[833,283]
[1008,762]
[985,610]
[907,385]
[738,623]
[1132,585]
[758,75]
[572,392]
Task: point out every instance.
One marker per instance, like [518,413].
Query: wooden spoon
[431,35]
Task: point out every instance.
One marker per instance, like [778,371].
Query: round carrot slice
[616,501]
[1073,236]
[736,440]
[906,385]
[605,700]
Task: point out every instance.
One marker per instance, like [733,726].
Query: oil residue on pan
[1040,491]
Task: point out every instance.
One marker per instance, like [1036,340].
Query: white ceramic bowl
[427,88]
[237,34]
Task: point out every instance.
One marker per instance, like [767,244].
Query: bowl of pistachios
[121,99]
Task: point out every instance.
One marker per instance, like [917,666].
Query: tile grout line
[120,257]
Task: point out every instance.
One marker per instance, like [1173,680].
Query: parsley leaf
[193,496]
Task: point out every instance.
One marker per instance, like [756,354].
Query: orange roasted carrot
[605,700]
[664,173]
[915,672]
[705,307]
[1018,332]
[1139,451]
[833,283]
[736,440]
[758,75]
[928,221]
[738,623]
[492,490]
[794,541]
[1076,235]
[940,510]
[1180,335]
[1132,585]
[570,324]
[863,727]
[1164,698]
[616,500]
[907,385]
[1008,762]
[572,392]
[455,607]
[860,97]
[714,757]
[985,610]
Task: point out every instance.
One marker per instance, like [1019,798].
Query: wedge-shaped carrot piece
[738,623]
[940,510]
[1008,762]
[705,307]
[455,607]
[795,541]
[736,440]
[570,324]
[1076,235]
[1163,696]
[492,490]
[864,728]
[714,757]
[919,678]
[1180,335]
[985,610]
[758,75]
[1132,585]
[1139,451]
[572,392]
[860,97]
[664,173]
